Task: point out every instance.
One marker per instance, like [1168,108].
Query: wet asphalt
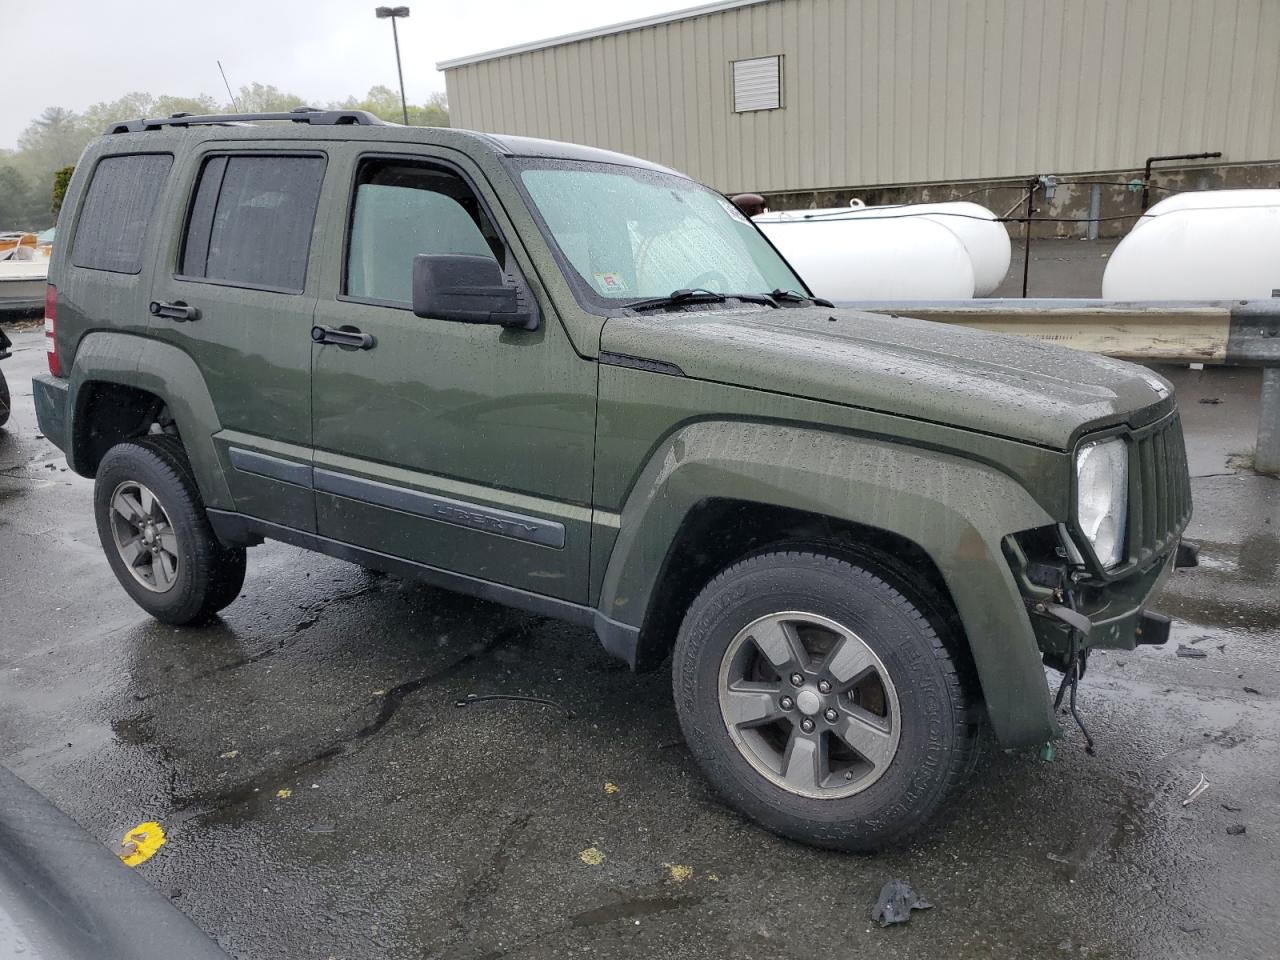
[325,796]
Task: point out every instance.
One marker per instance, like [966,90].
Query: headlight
[1102,497]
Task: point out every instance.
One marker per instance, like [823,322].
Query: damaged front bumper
[1072,612]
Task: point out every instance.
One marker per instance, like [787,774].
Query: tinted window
[402,210]
[251,221]
[117,212]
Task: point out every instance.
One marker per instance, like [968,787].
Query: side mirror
[469,289]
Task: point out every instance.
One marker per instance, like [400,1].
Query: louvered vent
[757,84]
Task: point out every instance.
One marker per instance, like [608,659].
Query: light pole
[392,13]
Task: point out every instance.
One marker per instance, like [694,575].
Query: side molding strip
[639,363]
[460,513]
[274,468]
[619,639]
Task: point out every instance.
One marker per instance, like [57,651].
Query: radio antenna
[234,103]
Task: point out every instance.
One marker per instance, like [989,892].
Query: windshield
[631,233]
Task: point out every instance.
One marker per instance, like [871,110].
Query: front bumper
[1116,615]
[1110,614]
[50,394]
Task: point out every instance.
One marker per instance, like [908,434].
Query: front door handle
[343,337]
[174,311]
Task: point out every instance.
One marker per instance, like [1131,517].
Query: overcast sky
[72,53]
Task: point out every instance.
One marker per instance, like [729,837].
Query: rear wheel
[4,400]
[157,539]
[820,701]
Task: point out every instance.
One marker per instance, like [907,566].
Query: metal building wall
[904,91]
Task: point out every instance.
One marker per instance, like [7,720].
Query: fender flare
[166,371]
[957,510]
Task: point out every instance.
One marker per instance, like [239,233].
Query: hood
[997,384]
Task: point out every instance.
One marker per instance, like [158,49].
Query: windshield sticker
[611,283]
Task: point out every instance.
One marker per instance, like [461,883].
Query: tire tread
[218,570]
[966,711]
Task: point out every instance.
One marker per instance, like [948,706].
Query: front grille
[1159,490]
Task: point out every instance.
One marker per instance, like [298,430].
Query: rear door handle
[343,337]
[174,311]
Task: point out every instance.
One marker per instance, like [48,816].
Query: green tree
[15,195]
[61,178]
[384,102]
[265,98]
[433,113]
[56,138]
[132,106]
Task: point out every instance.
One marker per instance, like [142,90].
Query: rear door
[461,446]
[235,292]
[103,271]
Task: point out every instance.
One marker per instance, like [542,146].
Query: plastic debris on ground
[897,899]
[1185,651]
[141,843]
[1198,789]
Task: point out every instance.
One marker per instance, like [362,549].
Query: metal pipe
[1146,174]
[1266,458]
[404,104]
[391,13]
[1095,210]
[1026,242]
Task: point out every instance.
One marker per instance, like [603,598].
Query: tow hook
[1078,626]
[1187,555]
[1152,628]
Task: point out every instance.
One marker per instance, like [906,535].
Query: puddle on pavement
[631,909]
[1255,559]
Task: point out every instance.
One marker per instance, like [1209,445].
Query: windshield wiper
[791,296]
[677,298]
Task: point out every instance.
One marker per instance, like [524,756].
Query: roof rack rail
[309,115]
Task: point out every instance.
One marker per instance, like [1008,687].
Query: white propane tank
[1210,200]
[985,241]
[1205,245]
[911,258]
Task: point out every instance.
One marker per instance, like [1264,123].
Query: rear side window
[118,210]
[251,221]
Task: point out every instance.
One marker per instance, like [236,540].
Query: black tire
[208,575]
[5,405]
[937,721]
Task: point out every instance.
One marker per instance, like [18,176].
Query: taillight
[51,329]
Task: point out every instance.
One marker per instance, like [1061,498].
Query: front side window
[251,221]
[402,209]
[631,233]
[118,210]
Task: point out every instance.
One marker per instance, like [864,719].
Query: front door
[459,446]
[236,295]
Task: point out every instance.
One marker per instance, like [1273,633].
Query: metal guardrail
[1225,332]
[13,311]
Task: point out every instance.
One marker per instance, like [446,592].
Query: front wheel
[156,536]
[820,701]
[5,404]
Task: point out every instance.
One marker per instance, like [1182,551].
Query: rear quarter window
[118,210]
[251,221]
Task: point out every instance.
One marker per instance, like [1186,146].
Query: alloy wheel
[809,705]
[144,536]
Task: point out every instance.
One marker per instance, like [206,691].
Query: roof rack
[309,115]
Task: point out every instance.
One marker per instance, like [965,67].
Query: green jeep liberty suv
[584,385]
